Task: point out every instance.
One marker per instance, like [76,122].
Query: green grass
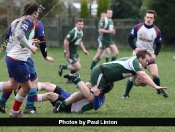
[143,101]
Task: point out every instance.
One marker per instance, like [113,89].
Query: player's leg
[74,65]
[59,105]
[153,69]
[20,74]
[114,50]
[96,58]
[52,97]
[100,53]
[73,98]
[11,84]
[30,108]
[49,87]
[15,111]
[107,54]
[128,88]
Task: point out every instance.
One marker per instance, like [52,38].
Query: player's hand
[88,84]
[160,88]
[86,53]
[50,59]
[96,90]
[67,56]
[34,49]
[35,41]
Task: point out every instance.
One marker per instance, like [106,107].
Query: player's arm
[131,42]
[81,45]
[42,43]
[66,47]
[131,37]
[145,79]
[67,41]
[98,98]
[158,41]
[157,49]
[102,28]
[21,32]
[98,102]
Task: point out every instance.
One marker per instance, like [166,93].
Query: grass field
[143,102]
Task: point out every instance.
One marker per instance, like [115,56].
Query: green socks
[107,58]
[72,72]
[77,80]
[93,64]
[157,81]
[129,86]
[113,58]
[63,104]
[65,66]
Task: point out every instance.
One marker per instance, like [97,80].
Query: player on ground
[71,42]
[56,94]
[146,33]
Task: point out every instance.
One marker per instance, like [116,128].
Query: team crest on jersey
[101,24]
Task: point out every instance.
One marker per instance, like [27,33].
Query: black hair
[30,8]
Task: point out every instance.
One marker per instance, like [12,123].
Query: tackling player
[56,94]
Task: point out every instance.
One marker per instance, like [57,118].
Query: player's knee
[26,89]
[154,75]
[48,83]
[13,86]
[116,53]
[49,95]
[77,67]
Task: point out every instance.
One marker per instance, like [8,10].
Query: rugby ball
[136,83]
[135,80]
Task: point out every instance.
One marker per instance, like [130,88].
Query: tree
[126,8]
[103,5]
[165,17]
[84,13]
